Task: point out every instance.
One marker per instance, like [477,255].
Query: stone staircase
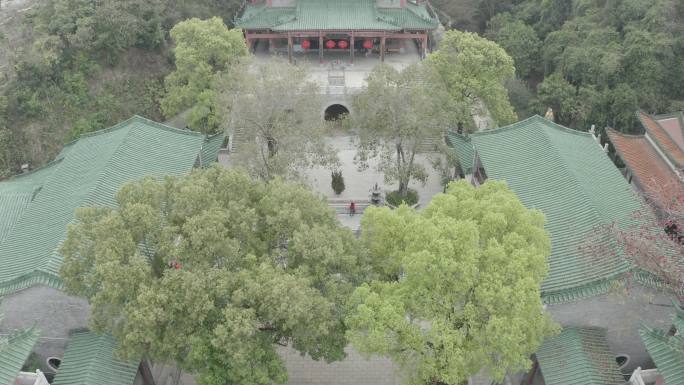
[430,145]
[239,136]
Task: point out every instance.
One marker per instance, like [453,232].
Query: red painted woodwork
[368,44]
[342,44]
[359,34]
[306,44]
[330,44]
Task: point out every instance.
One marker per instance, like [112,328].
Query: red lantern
[330,44]
[368,44]
[342,44]
[306,44]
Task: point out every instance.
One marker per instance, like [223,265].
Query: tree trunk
[401,163]
[272,146]
[403,188]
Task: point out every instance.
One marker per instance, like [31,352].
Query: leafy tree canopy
[276,112]
[474,70]
[457,287]
[212,269]
[203,49]
[518,39]
[608,58]
[397,113]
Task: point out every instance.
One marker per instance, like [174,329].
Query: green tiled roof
[211,148]
[565,174]
[90,173]
[678,319]
[667,352]
[13,353]
[89,360]
[315,15]
[463,147]
[578,356]
[17,193]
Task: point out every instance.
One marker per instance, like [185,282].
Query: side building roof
[674,125]
[90,173]
[316,15]
[565,174]
[667,353]
[210,149]
[16,194]
[663,139]
[89,359]
[464,150]
[648,168]
[678,319]
[14,352]
[579,356]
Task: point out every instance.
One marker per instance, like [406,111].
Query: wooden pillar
[146,372]
[320,47]
[382,49]
[289,48]
[425,46]
[351,47]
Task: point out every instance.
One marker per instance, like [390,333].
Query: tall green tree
[396,114]
[474,70]
[457,286]
[469,15]
[518,39]
[212,270]
[101,28]
[276,112]
[619,55]
[204,48]
[7,152]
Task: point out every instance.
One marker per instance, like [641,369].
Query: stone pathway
[354,370]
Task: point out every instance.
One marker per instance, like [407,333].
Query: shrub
[337,182]
[395,199]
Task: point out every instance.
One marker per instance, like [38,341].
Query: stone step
[430,145]
[341,206]
[240,136]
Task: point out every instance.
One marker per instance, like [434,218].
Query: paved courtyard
[354,370]
[358,184]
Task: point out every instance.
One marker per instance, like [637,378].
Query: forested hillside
[592,61]
[73,66]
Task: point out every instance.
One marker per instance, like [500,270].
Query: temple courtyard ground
[358,184]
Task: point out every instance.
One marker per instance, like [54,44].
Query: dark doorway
[335,112]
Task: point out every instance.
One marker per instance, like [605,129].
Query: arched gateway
[335,112]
